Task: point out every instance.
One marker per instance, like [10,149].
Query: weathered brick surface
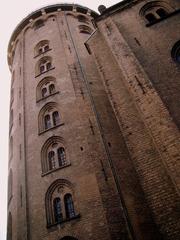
[96,196]
[151,136]
[119,128]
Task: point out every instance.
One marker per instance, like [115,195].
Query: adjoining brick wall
[149,132]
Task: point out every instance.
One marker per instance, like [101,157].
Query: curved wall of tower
[57,183]
[94,144]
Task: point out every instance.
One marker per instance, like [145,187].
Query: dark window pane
[48,65]
[47,121]
[161,12]
[39,24]
[51,160]
[150,17]
[57,210]
[69,206]
[42,69]
[40,50]
[56,119]
[61,156]
[46,47]
[44,92]
[51,88]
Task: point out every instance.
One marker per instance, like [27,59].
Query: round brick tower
[61,184]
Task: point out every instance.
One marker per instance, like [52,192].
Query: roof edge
[39,12]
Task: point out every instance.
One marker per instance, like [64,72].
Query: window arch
[53,155]
[42,47]
[60,202]
[49,117]
[85,29]
[175,53]
[46,88]
[155,10]
[43,65]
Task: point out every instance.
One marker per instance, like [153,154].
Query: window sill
[47,96]
[64,221]
[162,19]
[44,72]
[61,124]
[43,53]
[54,170]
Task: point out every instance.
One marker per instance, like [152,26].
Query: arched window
[57,210]
[85,29]
[155,10]
[56,119]
[46,87]
[43,65]
[42,47]
[175,53]
[49,117]
[38,24]
[56,157]
[53,155]
[59,202]
[69,206]
[47,121]
[61,156]
[82,18]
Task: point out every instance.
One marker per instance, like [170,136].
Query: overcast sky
[12,12]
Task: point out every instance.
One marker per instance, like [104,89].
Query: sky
[12,12]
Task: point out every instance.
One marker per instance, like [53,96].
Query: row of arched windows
[59,201]
[53,155]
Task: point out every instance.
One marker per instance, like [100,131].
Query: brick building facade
[94,123]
